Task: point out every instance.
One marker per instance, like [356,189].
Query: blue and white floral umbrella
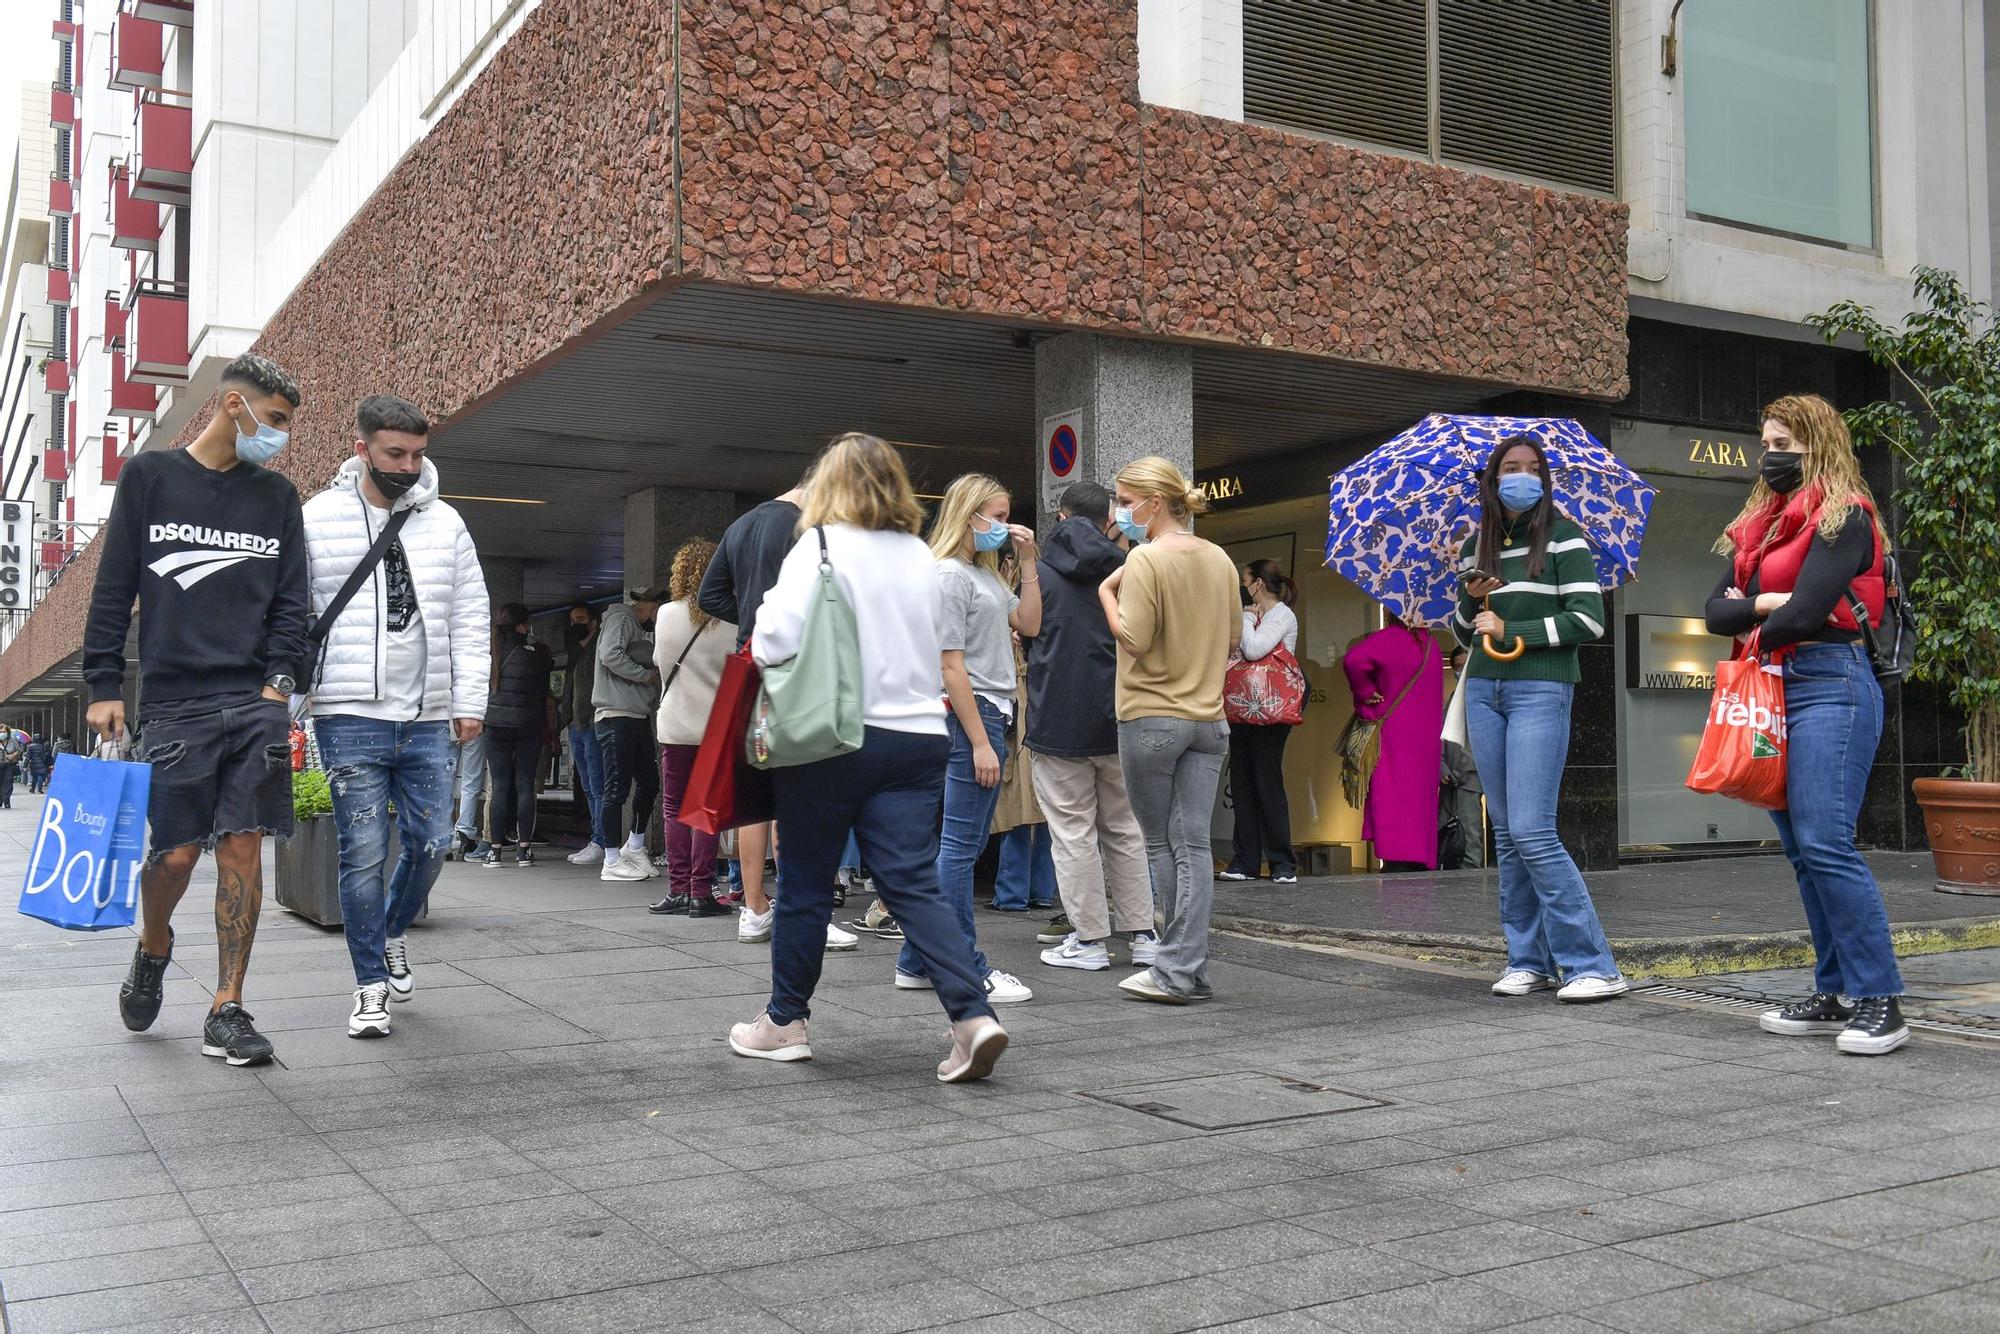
[1397,518]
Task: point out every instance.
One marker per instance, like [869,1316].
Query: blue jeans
[850,857]
[968,824]
[1027,876]
[1833,718]
[889,794]
[471,757]
[587,754]
[371,766]
[1520,740]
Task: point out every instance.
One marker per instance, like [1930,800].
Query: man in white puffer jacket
[405,671]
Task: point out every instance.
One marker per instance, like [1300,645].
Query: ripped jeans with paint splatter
[382,771]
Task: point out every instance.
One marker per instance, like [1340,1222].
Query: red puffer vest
[1771,548]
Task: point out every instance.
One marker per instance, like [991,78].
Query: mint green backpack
[809,709]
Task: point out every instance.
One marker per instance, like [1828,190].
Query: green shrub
[312,795]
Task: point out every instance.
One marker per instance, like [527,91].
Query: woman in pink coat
[1397,675]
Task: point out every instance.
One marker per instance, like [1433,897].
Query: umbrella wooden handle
[1486,641]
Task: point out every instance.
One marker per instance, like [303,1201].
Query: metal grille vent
[1527,87]
[1353,69]
[1530,87]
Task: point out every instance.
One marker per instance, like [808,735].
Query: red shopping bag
[1268,692]
[1742,754]
[724,791]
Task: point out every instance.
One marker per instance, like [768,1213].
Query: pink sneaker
[771,1042]
[976,1045]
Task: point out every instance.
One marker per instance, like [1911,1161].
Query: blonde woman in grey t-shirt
[976,645]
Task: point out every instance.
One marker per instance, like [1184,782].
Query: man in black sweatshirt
[212,547]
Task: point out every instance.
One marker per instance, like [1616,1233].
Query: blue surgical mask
[990,538]
[261,448]
[1128,525]
[1520,491]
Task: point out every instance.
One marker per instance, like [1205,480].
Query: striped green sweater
[1552,614]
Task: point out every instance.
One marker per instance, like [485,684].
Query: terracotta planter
[1963,820]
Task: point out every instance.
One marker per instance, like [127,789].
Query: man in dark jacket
[744,568]
[1100,854]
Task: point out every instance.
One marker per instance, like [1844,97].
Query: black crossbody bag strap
[685,648]
[365,568]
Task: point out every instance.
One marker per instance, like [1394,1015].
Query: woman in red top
[1806,548]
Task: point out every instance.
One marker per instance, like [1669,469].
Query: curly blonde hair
[684,580]
[1829,464]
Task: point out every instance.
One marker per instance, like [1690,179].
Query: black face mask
[1782,472]
[393,485]
[575,633]
[1245,591]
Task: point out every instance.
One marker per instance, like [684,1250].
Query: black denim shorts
[217,770]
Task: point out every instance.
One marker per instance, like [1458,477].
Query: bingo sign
[1062,455]
[17,582]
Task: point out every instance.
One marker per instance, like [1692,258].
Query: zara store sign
[1685,451]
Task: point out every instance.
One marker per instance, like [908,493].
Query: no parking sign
[1062,456]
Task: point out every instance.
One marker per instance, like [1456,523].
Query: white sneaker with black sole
[402,978]
[371,1012]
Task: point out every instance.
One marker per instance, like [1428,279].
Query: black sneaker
[1876,1029]
[709,908]
[145,987]
[1820,1012]
[1057,931]
[670,906]
[228,1034]
[490,860]
[523,859]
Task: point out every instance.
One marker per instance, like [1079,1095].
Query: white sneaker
[618,869]
[1233,877]
[1593,989]
[590,854]
[754,928]
[1073,953]
[371,1012]
[1521,981]
[1145,949]
[632,856]
[396,958]
[911,982]
[836,939]
[1004,988]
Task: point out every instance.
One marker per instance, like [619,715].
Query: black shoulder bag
[1892,652]
[323,627]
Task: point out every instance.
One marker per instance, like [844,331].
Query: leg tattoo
[239,897]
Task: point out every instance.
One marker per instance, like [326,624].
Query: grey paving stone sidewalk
[1690,901]
[557,1139]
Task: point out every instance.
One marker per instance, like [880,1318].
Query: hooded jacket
[451,595]
[521,687]
[1073,662]
[623,686]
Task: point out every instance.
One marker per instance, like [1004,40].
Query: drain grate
[1232,1101]
[1965,1026]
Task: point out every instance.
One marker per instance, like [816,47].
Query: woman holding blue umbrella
[1529,595]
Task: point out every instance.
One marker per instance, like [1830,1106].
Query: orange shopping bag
[1742,751]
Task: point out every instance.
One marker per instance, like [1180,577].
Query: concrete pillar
[659,518]
[1123,399]
[506,579]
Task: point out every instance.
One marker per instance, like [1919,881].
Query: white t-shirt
[405,653]
[888,579]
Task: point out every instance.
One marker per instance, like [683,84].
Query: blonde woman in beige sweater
[1174,608]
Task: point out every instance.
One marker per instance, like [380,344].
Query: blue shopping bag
[90,845]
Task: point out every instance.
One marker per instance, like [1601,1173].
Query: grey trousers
[1099,853]
[1173,768]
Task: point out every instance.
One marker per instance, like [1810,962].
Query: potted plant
[309,861]
[1946,356]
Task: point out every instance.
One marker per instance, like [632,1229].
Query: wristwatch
[284,685]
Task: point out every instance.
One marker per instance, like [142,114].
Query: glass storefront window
[1780,116]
